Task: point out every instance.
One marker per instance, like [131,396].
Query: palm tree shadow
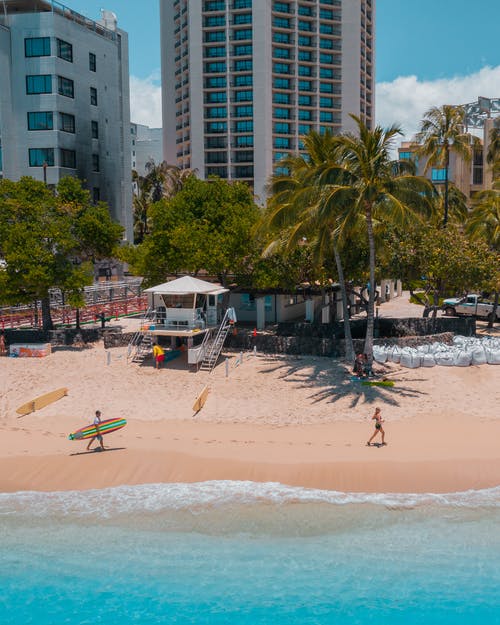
[332,381]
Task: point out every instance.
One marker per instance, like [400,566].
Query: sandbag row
[464,352]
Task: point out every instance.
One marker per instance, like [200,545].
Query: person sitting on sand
[367,370]
[359,366]
[158,354]
[2,344]
[98,436]
[378,427]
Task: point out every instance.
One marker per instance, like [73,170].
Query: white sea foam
[197,497]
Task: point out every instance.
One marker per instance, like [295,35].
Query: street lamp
[44,172]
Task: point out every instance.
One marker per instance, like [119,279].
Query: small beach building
[191,312]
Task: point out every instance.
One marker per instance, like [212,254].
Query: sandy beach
[295,420]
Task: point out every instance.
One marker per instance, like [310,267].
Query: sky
[428,53]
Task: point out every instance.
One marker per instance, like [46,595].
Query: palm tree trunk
[46,316]
[493,316]
[446,187]
[370,313]
[349,348]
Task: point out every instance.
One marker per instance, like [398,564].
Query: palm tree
[493,154]
[442,132]
[375,189]
[297,210]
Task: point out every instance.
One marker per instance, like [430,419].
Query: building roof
[185,285]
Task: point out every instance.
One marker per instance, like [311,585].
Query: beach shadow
[334,382]
[97,450]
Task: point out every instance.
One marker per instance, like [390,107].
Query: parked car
[470,306]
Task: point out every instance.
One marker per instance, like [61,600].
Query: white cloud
[145,101]
[405,100]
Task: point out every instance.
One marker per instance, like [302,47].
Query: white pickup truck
[470,306]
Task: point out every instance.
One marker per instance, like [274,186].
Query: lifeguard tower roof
[185,285]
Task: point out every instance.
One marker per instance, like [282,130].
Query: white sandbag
[380,353]
[493,356]
[428,360]
[478,355]
[394,354]
[459,340]
[463,358]
[445,359]
[410,359]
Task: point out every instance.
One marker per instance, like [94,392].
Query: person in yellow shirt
[159,355]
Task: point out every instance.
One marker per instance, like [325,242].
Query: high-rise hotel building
[64,100]
[244,80]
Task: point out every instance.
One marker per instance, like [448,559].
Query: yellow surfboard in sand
[40,402]
[200,400]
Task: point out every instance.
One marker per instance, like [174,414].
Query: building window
[40,120]
[242,4]
[282,83]
[215,82]
[39,84]
[216,111]
[94,126]
[243,81]
[244,171]
[304,115]
[281,98]
[305,70]
[66,122]
[96,195]
[95,162]
[244,141]
[326,102]
[243,66]
[305,85]
[216,35]
[281,113]
[215,5]
[279,37]
[281,22]
[215,20]
[281,53]
[37,46]
[405,156]
[242,18]
[281,68]
[215,51]
[281,7]
[326,116]
[215,68]
[246,33]
[93,96]
[66,87]
[242,50]
[281,143]
[244,126]
[215,127]
[217,96]
[243,111]
[64,50]
[438,174]
[304,129]
[282,128]
[39,156]
[92,62]
[243,96]
[305,100]
[67,158]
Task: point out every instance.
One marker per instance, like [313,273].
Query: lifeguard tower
[189,311]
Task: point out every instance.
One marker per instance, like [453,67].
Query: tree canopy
[48,240]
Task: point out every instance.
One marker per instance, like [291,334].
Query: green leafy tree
[207,225]
[442,132]
[48,241]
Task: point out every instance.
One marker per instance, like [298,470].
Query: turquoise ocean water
[246,553]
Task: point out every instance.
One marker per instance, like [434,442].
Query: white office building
[146,147]
[64,100]
[244,80]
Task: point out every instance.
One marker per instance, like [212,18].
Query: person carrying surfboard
[98,436]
